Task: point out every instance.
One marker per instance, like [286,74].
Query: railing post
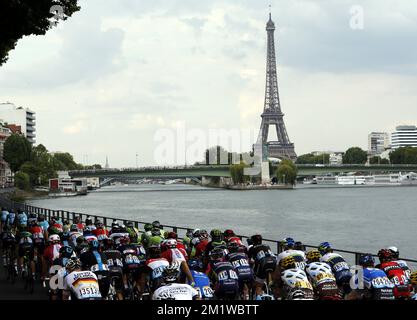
[105,222]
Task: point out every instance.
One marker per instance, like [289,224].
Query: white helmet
[54,237]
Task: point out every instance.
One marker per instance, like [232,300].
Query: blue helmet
[66,251]
[324,247]
[288,242]
[366,260]
[195,264]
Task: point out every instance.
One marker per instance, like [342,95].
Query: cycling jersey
[173,255]
[339,267]
[155,268]
[175,291]
[115,264]
[11,219]
[74,235]
[83,285]
[99,232]
[199,248]
[134,257]
[202,285]
[298,255]
[94,261]
[322,279]
[225,279]
[377,284]
[240,262]
[397,276]
[295,280]
[405,267]
[265,261]
[52,252]
[44,224]
[4,215]
[22,219]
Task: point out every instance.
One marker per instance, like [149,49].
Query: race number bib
[114,263]
[240,263]
[340,266]
[227,274]
[132,259]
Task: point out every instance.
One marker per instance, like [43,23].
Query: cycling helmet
[413,278]
[256,239]
[288,263]
[313,256]
[172,235]
[297,295]
[74,228]
[288,243]
[54,238]
[32,216]
[216,254]
[99,225]
[171,243]
[395,253]
[94,245]
[196,233]
[129,224]
[384,255]
[72,264]
[228,233]
[41,217]
[203,235]
[216,235]
[366,260]
[88,221]
[298,245]
[148,227]
[25,234]
[156,224]
[233,246]
[115,224]
[66,251]
[155,232]
[171,273]
[195,264]
[324,247]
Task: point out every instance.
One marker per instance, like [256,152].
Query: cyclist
[395,253]
[240,261]
[74,234]
[180,245]
[88,235]
[200,245]
[78,223]
[25,249]
[3,218]
[321,277]
[340,268]
[170,252]
[133,232]
[222,275]
[94,260]
[89,224]
[44,224]
[78,284]
[51,252]
[9,247]
[200,279]
[170,290]
[230,236]
[58,268]
[22,220]
[155,266]
[376,285]
[294,283]
[115,264]
[100,229]
[289,250]
[216,240]
[134,258]
[148,229]
[38,239]
[264,263]
[11,219]
[395,273]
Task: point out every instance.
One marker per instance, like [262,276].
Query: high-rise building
[377,142]
[5,172]
[404,136]
[23,117]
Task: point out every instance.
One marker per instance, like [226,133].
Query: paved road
[16,291]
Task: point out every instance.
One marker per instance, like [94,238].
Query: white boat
[326,179]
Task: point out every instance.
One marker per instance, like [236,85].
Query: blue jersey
[4,215]
[11,218]
[44,224]
[202,285]
[22,219]
[377,282]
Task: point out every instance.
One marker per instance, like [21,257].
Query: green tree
[26,17]
[66,161]
[375,160]
[286,173]
[22,181]
[312,159]
[404,155]
[32,171]
[17,150]
[236,172]
[355,155]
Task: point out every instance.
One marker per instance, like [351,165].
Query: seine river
[357,219]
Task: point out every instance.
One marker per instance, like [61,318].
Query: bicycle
[27,274]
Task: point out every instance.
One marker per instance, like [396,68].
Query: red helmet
[384,255]
[172,235]
[228,233]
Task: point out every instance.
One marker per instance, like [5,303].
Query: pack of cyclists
[85,260]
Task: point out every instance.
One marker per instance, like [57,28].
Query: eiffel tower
[272,114]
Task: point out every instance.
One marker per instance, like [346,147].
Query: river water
[353,218]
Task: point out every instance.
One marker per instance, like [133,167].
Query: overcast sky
[107,80]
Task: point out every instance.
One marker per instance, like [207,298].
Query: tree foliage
[17,150]
[237,173]
[405,155]
[287,172]
[26,17]
[355,155]
[22,180]
[312,159]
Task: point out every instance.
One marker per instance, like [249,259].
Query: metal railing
[351,256]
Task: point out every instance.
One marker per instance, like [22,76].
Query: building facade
[5,172]
[378,142]
[404,136]
[23,117]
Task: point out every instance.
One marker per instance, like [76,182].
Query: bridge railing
[352,257]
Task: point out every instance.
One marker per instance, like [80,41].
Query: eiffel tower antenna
[272,114]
